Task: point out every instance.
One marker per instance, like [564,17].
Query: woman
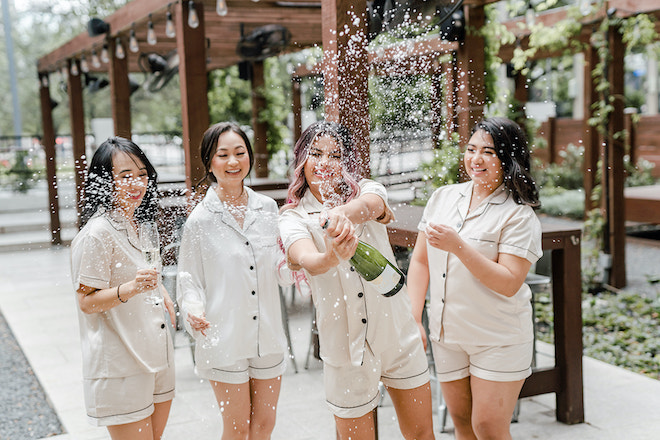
[228,276]
[364,337]
[127,348]
[477,241]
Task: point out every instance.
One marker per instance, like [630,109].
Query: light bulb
[170,31]
[44,81]
[83,64]
[104,54]
[530,16]
[133,45]
[193,19]
[74,68]
[585,7]
[221,7]
[95,60]
[119,49]
[151,33]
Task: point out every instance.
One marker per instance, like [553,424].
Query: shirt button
[352,269]
[254,293]
[360,295]
[364,320]
[251,267]
[162,326]
[459,224]
[444,275]
[443,300]
[254,318]
[247,243]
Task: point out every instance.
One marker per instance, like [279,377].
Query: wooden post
[436,107]
[450,74]
[552,139]
[590,138]
[260,127]
[345,71]
[120,92]
[77,117]
[471,71]
[48,142]
[297,108]
[615,165]
[521,97]
[631,146]
[191,47]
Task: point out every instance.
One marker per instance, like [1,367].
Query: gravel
[25,412]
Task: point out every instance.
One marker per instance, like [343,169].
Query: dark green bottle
[372,265]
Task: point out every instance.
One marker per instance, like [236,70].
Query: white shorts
[122,400]
[269,366]
[352,391]
[507,363]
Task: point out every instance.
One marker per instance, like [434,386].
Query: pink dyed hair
[340,134]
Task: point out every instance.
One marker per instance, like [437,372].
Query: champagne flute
[150,246]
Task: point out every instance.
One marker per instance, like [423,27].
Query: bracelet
[119,297]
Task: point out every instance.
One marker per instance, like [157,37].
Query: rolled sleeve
[94,262]
[522,237]
[292,229]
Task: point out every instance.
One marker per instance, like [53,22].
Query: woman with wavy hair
[477,241]
[365,338]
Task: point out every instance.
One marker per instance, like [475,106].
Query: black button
[352,269]
[443,300]
[444,275]
[360,295]
[251,267]
[254,318]
[162,326]
[247,243]
[364,320]
[254,293]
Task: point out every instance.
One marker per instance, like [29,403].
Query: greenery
[621,329]
[443,169]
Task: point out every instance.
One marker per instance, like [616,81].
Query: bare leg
[141,430]
[492,407]
[458,397]
[265,394]
[159,418]
[234,403]
[414,411]
[361,428]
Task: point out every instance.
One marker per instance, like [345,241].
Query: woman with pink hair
[365,338]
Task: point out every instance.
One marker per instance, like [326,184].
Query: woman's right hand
[422,333]
[145,281]
[198,323]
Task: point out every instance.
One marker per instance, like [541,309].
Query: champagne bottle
[372,265]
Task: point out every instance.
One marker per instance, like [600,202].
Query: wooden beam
[615,165]
[191,46]
[120,91]
[296,103]
[260,127]
[77,118]
[590,138]
[471,72]
[345,73]
[48,142]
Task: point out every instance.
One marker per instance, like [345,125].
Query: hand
[340,250]
[199,323]
[443,237]
[422,332]
[338,225]
[169,306]
[145,280]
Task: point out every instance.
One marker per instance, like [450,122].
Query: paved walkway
[37,300]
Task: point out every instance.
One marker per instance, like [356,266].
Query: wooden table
[643,204]
[565,377]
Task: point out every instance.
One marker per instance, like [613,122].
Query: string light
[104,54]
[133,45]
[84,66]
[193,19]
[221,7]
[95,59]
[119,49]
[170,30]
[151,33]
[74,67]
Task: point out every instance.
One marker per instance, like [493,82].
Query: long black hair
[511,148]
[100,184]
[209,145]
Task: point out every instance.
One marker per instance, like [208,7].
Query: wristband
[119,297]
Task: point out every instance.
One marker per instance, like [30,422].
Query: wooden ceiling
[301,17]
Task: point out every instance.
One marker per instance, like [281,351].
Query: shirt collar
[499,196]
[213,203]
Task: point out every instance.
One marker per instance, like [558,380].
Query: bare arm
[92,300]
[418,281]
[304,254]
[504,276]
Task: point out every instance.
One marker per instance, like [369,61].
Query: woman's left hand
[443,237]
[169,306]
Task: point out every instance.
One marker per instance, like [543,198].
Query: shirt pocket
[487,243]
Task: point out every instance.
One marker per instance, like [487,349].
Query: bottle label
[387,280]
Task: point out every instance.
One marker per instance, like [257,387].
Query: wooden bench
[565,377]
